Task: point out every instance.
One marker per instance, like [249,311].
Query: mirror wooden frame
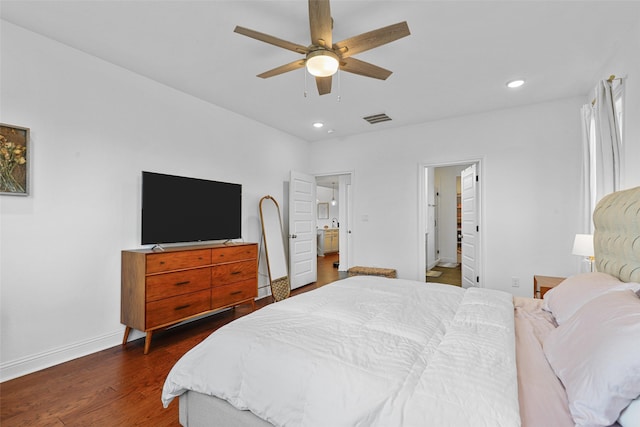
[274,245]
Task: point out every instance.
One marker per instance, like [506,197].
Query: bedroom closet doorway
[334,220]
[449,223]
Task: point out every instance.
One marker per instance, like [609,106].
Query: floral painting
[14,141]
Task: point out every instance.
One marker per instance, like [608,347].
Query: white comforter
[365,351]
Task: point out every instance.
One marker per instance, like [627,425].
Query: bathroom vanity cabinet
[328,241]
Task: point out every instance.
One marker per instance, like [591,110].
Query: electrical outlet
[515,282]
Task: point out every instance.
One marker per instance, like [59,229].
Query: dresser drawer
[225,274]
[234,253]
[169,310]
[180,282]
[168,261]
[226,295]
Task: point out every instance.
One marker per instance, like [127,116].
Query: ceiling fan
[323,57]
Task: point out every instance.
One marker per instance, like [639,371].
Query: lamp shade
[583,245]
[322,63]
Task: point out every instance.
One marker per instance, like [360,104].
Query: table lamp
[583,246]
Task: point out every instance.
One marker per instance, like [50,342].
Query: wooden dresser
[160,289]
[543,284]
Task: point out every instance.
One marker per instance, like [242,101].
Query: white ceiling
[455,62]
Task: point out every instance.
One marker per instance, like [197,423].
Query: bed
[373,351]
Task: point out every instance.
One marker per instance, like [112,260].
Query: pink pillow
[572,293]
[596,355]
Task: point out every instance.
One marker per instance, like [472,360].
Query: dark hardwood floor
[119,386]
[449,276]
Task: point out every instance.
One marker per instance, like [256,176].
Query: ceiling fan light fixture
[322,63]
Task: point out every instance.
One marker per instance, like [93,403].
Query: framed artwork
[14,160]
[323,210]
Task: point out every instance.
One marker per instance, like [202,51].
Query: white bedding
[365,351]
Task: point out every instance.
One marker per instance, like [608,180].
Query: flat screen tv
[178,209]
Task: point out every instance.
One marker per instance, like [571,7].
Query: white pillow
[575,291]
[630,417]
[596,355]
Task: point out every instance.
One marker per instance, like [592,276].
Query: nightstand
[541,284]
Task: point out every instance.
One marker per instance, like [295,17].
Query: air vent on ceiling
[377,118]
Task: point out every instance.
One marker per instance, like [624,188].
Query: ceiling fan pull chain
[305,83]
[339,85]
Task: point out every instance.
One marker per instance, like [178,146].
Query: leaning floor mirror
[274,248]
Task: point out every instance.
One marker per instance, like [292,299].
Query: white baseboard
[448,260]
[433,264]
[36,362]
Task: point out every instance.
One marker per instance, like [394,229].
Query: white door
[345,219]
[470,229]
[303,268]
[346,255]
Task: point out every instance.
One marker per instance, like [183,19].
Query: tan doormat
[431,273]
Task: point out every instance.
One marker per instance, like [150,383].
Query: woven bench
[372,271]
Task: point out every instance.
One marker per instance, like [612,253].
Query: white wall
[529,188]
[94,128]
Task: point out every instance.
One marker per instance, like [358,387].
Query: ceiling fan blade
[375,38]
[298,48]
[283,69]
[324,85]
[355,66]
[320,23]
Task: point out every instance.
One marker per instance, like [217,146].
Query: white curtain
[607,141]
[601,146]
[587,201]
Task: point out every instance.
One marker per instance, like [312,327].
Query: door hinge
[477,279]
[477,228]
[477,178]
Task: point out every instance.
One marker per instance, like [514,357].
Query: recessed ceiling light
[318,125]
[515,83]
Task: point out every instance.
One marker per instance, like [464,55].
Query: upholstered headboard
[617,235]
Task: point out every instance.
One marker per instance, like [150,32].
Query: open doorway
[333,221]
[449,223]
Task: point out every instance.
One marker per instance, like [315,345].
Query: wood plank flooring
[119,386]
[449,276]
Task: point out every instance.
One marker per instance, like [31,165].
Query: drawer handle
[236,293]
[186,282]
[182,307]
[236,272]
[161,262]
